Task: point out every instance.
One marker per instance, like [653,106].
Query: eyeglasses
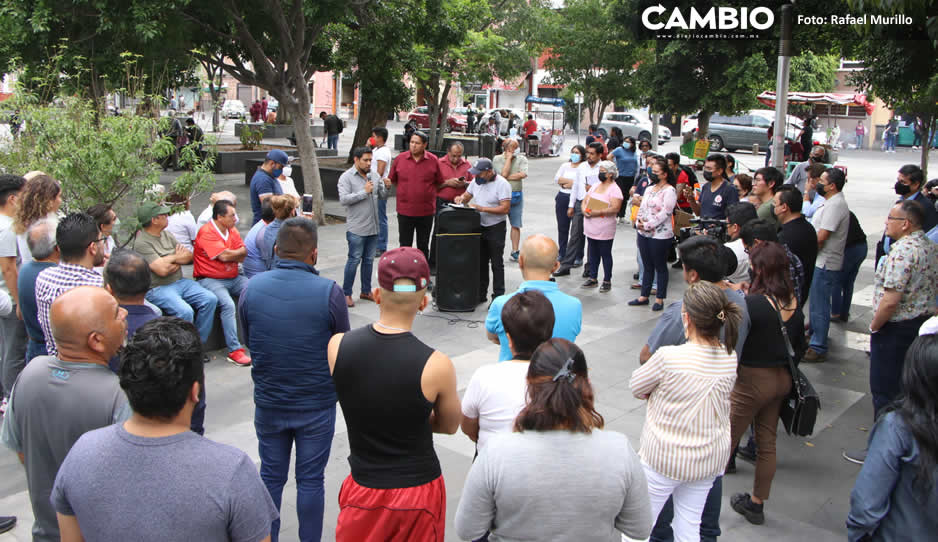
[890,217]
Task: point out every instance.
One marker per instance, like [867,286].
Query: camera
[715,227]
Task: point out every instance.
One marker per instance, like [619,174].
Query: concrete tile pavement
[811,489]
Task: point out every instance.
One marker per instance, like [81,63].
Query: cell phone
[463,179]
[307,203]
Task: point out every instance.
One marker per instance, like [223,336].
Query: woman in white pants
[686,439]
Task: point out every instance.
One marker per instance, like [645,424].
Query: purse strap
[781,324]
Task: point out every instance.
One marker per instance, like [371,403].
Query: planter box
[233,161]
[471,146]
[278,131]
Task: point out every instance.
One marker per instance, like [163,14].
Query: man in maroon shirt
[417,176]
[455,169]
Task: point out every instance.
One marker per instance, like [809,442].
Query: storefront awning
[820,98]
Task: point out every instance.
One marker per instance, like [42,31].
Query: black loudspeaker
[459,240]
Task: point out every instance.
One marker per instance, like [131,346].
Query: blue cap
[482,164]
[278,156]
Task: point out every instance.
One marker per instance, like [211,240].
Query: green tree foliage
[901,61]
[86,40]
[602,70]
[812,72]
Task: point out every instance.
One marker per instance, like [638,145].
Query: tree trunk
[304,142]
[926,142]
[214,92]
[703,124]
[369,117]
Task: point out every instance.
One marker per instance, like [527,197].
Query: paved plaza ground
[810,495]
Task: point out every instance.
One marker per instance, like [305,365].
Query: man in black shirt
[796,233]
[333,126]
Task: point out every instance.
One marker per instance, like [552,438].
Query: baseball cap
[278,156]
[149,210]
[482,164]
[403,263]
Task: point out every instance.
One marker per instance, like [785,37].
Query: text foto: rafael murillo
[853,19]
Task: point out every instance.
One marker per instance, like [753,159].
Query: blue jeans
[655,261]
[516,209]
[822,289]
[383,225]
[333,141]
[561,203]
[189,301]
[641,267]
[600,249]
[709,520]
[312,432]
[888,347]
[361,250]
[859,142]
[224,289]
[34,349]
[842,297]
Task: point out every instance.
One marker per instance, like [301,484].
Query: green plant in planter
[251,137]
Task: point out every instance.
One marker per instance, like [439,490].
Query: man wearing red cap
[395,392]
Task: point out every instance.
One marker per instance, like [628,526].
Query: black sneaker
[605,286]
[562,271]
[586,272]
[742,503]
[7,523]
[590,283]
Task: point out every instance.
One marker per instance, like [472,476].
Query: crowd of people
[90,415]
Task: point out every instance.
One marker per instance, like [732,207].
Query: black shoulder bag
[800,408]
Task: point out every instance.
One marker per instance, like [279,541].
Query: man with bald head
[226,195]
[59,398]
[538,259]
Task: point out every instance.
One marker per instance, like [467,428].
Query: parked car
[734,132]
[233,109]
[421,115]
[272,103]
[634,125]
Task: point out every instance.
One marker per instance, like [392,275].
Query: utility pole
[781,88]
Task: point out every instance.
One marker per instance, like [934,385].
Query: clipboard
[681,219]
[596,204]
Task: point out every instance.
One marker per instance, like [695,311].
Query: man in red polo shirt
[417,176]
[217,250]
[455,169]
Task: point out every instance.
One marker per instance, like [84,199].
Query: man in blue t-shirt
[537,261]
[264,183]
[717,194]
[40,237]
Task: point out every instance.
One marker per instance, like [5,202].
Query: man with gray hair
[800,174]
[40,237]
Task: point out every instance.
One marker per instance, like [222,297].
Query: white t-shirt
[288,187]
[382,153]
[490,194]
[742,262]
[567,171]
[588,175]
[182,226]
[8,247]
[495,396]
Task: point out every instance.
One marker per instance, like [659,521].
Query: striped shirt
[55,281]
[687,424]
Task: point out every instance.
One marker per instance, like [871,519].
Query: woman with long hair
[896,494]
[686,437]
[558,452]
[730,167]
[764,378]
[496,392]
[600,207]
[41,197]
[656,233]
[284,207]
[566,177]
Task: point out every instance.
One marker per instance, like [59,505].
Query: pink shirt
[602,228]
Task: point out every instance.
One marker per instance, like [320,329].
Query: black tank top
[377,378]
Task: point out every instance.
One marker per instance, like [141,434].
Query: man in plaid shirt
[81,248]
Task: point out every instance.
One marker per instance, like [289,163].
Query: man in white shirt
[181,223]
[223,195]
[832,222]
[380,167]
[737,215]
[589,175]
[491,196]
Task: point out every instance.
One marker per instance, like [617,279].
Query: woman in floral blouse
[656,233]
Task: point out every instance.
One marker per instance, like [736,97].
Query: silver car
[633,125]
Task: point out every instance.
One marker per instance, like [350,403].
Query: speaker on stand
[459,242]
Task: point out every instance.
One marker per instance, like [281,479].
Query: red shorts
[416,514]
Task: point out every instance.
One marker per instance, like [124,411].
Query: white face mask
[287,171]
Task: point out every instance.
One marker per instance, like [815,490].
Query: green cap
[149,210]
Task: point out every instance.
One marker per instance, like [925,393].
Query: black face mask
[602,176]
[820,190]
[708,175]
[902,189]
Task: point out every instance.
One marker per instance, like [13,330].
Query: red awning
[5,96]
[820,98]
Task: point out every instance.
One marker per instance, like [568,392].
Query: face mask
[371,142]
[287,171]
[648,169]
[575,158]
[480,179]
[902,189]
[821,191]
[602,176]
[708,175]
[276,173]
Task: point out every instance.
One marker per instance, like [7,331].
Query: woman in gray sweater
[559,476]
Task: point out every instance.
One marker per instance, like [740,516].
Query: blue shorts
[517,205]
